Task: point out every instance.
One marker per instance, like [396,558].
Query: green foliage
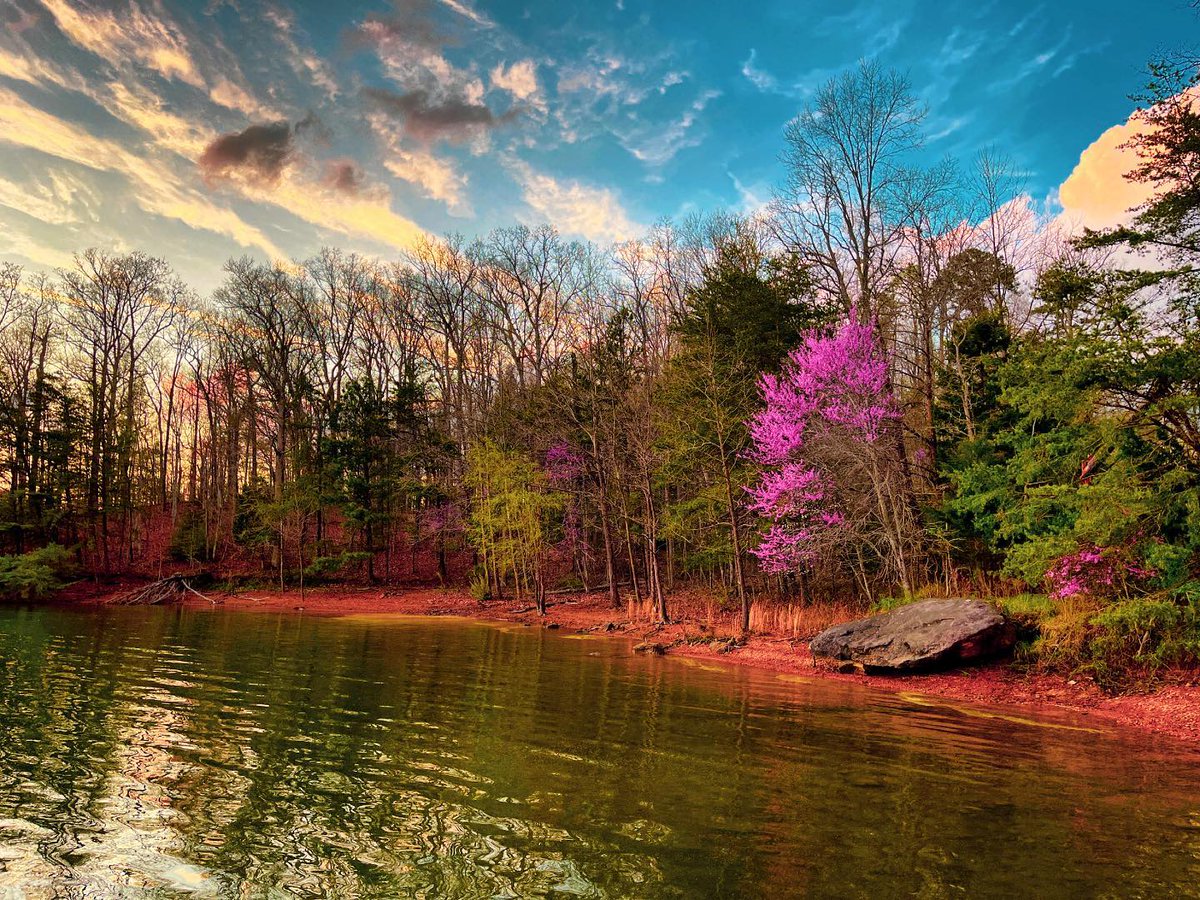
[1052,465]
[1075,441]
[480,587]
[1113,642]
[1063,635]
[887,604]
[324,567]
[1172,564]
[1026,608]
[1144,633]
[34,575]
[975,281]
[249,526]
[189,540]
[751,307]
[514,513]
[699,526]
[361,455]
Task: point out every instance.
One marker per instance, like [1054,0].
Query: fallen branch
[596,590]
[211,600]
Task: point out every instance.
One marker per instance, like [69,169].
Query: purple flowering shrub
[1094,572]
[564,465]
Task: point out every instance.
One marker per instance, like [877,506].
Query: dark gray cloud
[428,119]
[259,153]
[343,176]
[17,20]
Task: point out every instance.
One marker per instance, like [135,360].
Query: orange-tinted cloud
[1097,194]
[150,39]
[592,212]
[155,186]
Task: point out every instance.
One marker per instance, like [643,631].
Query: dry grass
[795,620]
[771,617]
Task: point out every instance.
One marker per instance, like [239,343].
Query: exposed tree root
[168,590]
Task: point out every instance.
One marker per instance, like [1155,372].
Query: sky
[206,130]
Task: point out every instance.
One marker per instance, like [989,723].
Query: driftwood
[172,589]
[599,589]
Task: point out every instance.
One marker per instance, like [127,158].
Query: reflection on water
[164,753]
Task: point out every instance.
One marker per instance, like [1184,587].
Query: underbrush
[798,620]
[34,575]
[1119,643]
[327,569]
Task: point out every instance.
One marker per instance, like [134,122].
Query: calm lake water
[163,753]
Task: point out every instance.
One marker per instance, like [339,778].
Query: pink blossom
[563,463]
[830,384]
[1093,571]
[829,380]
[783,549]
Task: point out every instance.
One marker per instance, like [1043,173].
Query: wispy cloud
[760,78]
[299,56]
[469,12]
[149,39]
[576,208]
[1039,64]
[438,178]
[657,144]
[753,199]
[154,186]
[520,80]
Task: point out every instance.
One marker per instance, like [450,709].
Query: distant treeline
[956,397]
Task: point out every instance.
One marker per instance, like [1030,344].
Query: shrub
[481,589]
[32,576]
[327,566]
[1029,612]
[1170,562]
[1031,608]
[1118,642]
[1063,635]
[1143,634]
[1094,572]
[189,542]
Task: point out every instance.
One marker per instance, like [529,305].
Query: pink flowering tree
[832,486]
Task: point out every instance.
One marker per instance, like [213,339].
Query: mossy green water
[157,753]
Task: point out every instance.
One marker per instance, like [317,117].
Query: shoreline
[1171,712]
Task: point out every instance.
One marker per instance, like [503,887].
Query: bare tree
[842,206]
[117,308]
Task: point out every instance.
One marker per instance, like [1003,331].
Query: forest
[892,382]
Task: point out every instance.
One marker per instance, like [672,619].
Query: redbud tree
[832,488]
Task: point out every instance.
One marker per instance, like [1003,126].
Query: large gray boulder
[932,634]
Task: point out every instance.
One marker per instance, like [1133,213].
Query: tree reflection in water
[162,753]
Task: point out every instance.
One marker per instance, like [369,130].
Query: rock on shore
[932,634]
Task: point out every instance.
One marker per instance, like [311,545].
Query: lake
[149,752]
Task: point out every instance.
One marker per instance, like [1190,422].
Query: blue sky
[199,131]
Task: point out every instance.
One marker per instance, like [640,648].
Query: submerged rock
[932,634]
